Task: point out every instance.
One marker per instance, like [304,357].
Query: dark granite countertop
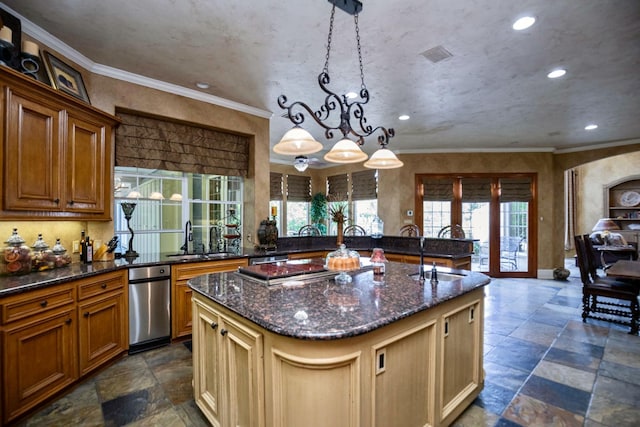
[322,310]
[391,244]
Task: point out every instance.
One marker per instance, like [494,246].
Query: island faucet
[422,275]
[188,237]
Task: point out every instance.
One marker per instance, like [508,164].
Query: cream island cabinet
[310,352]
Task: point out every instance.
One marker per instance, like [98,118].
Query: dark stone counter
[322,310]
[442,248]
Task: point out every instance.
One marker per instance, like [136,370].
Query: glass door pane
[475,223]
[435,216]
[514,235]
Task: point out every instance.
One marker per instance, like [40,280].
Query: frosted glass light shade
[297,141]
[383,159]
[345,151]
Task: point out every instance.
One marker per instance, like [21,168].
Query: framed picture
[65,78]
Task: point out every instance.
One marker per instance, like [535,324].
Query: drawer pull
[86,314]
[223,332]
[43,304]
[56,201]
[68,321]
[70,202]
[103,286]
[214,325]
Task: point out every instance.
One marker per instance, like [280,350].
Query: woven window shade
[515,189]
[364,185]
[298,188]
[437,190]
[156,143]
[338,188]
[275,186]
[476,190]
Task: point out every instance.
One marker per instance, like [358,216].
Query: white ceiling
[492,94]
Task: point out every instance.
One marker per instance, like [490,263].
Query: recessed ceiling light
[557,73]
[351,95]
[202,85]
[524,23]
[591,126]
[404,117]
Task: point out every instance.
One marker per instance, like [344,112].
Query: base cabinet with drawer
[53,336]
[181,310]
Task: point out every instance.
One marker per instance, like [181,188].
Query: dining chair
[309,230]
[606,298]
[354,230]
[451,232]
[410,230]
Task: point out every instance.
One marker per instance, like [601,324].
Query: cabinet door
[86,156]
[32,155]
[39,360]
[102,330]
[243,375]
[182,319]
[461,357]
[206,363]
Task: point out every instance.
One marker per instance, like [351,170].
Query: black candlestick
[128,209]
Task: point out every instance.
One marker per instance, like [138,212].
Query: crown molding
[73,55]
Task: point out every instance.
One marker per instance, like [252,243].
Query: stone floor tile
[572,377]
[538,333]
[135,406]
[475,416]
[562,396]
[528,411]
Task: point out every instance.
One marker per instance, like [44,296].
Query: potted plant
[318,212]
[338,212]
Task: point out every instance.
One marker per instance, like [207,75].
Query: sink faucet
[188,237]
[422,275]
[213,229]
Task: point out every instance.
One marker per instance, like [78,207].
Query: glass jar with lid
[16,256]
[42,257]
[61,257]
[343,260]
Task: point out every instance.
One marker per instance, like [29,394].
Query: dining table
[624,269]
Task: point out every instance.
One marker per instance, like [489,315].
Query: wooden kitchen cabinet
[57,153]
[181,308]
[39,347]
[228,370]
[102,319]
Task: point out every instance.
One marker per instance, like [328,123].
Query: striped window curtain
[570,191]
[437,189]
[275,186]
[338,188]
[364,185]
[298,188]
[515,190]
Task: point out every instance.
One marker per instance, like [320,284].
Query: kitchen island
[306,351]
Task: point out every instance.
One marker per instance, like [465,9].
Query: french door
[496,211]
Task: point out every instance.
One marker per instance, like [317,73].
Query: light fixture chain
[326,58]
[355,19]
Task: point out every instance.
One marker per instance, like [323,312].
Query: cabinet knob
[43,303]
[56,201]
[214,325]
[223,332]
[86,314]
[70,202]
[68,321]
[103,286]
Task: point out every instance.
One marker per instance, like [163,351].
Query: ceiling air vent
[436,54]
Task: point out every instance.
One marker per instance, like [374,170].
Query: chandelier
[298,142]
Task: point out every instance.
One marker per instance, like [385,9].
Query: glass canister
[16,257]
[41,257]
[61,257]
[377,227]
[343,260]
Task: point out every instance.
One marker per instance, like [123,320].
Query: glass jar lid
[343,259]
[58,249]
[40,244]
[15,239]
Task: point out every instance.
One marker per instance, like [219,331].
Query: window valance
[438,189]
[159,143]
[364,185]
[275,186]
[515,190]
[298,188]
[338,188]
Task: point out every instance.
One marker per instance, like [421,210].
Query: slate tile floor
[543,367]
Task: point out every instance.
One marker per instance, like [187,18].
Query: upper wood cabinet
[56,153]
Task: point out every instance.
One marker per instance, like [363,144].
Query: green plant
[318,211]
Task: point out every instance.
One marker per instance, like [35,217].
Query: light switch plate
[76,246]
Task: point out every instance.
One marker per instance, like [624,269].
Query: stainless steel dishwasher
[149,307]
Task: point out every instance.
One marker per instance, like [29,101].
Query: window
[298,201]
[364,197]
[165,200]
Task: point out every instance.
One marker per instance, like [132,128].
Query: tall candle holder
[127,209]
